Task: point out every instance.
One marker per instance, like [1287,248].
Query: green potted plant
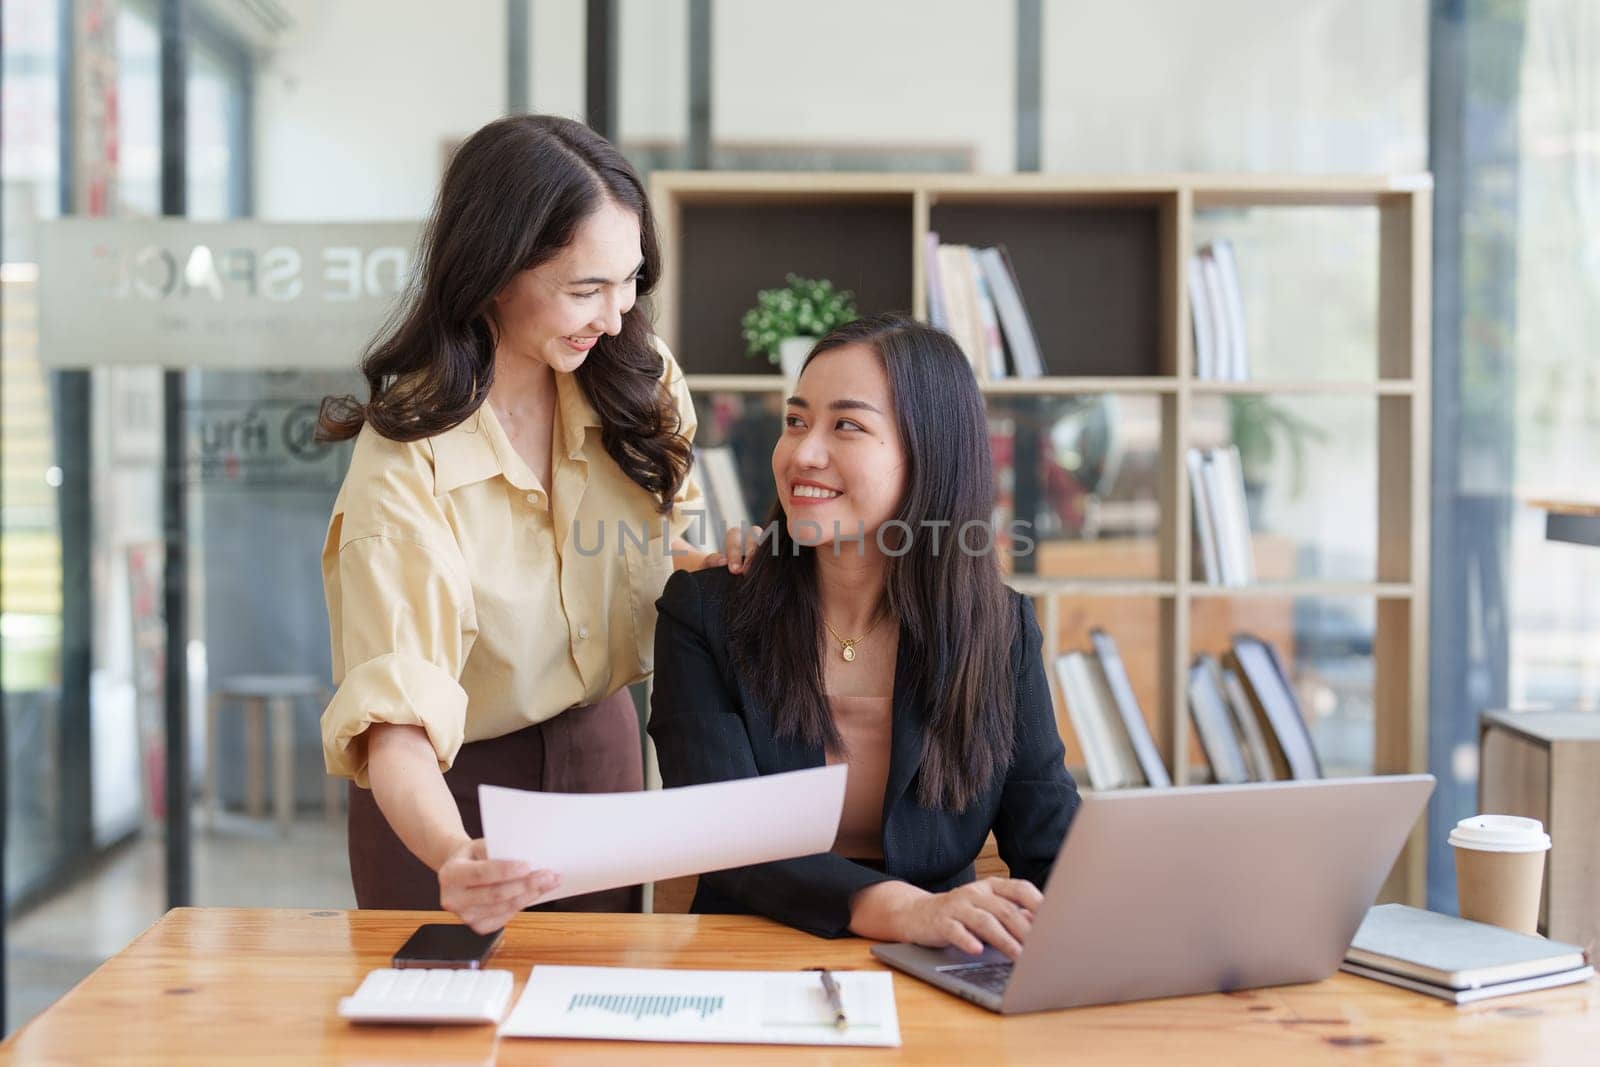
[786,322]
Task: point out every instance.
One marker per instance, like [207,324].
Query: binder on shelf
[1223,477]
[1020,339]
[994,350]
[1213,724]
[1105,708]
[1205,329]
[1127,706]
[1212,276]
[1244,717]
[1272,698]
[938,315]
[1205,525]
[973,294]
[725,503]
[704,534]
[961,304]
[1216,308]
[1110,765]
[1235,365]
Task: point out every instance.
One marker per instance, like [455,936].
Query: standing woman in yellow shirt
[488,598]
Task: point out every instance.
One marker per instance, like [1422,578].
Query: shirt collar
[477,448]
[466,453]
[577,414]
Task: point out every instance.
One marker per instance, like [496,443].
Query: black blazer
[707,728]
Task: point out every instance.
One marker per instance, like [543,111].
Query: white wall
[653,58]
[356,107]
[556,56]
[1242,85]
[921,72]
[354,112]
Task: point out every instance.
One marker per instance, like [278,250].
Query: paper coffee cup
[1500,870]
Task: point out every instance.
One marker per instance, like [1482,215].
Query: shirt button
[533,498]
[583,633]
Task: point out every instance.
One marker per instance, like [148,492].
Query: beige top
[459,598]
[866,724]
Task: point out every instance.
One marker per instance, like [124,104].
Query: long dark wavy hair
[957,619]
[513,196]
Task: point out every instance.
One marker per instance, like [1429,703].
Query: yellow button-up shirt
[466,598]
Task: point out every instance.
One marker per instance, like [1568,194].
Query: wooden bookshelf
[1101,262]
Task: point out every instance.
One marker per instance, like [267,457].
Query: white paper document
[601,841]
[745,1007]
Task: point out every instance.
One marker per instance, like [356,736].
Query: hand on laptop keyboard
[990,911]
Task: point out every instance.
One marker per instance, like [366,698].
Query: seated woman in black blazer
[871,627]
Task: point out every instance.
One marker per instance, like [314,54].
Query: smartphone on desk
[446,945]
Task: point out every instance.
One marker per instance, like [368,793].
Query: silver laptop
[1165,892]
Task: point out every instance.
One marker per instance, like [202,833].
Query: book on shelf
[1205,526]
[1457,959]
[724,506]
[1216,306]
[1235,366]
[1272,698]
[1127,707]
[1205,327]
[938,315]
[973,294]
[1020,339]
[704,532]
[994,349]
[960,298]
[1221,516]
[1218,739]
[1225,480]
[1251,736]
[1107,754]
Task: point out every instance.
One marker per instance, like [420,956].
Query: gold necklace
[847,645]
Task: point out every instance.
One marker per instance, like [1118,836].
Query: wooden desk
[1574,521]
[212,985]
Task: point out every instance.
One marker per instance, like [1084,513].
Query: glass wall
[30,544]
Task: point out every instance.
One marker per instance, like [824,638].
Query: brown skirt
[594,748]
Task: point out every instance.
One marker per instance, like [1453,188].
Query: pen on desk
[835,1001]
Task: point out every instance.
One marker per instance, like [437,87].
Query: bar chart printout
[637,1006]
[753,1007]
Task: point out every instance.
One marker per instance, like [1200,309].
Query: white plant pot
[792,352]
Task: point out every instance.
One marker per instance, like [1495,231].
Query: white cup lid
[1500,833]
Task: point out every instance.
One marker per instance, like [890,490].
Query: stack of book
[1118,750]
[724,503]
[973,295]
[1456,959]
[1249,722]
[1217,309]
[1221,517]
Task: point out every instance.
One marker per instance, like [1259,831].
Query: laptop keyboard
[987,976]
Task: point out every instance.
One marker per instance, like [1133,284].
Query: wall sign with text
[226,295]
[262,444]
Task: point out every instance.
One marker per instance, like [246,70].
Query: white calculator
[434,995]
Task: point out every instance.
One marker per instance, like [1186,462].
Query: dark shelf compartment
[730,251]
[1090,275]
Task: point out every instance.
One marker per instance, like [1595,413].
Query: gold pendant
[848,652]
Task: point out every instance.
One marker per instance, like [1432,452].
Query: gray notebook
[1452,952]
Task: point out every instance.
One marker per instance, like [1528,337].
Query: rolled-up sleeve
[402,624]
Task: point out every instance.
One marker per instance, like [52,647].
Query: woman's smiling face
[555,313]
[840,464]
